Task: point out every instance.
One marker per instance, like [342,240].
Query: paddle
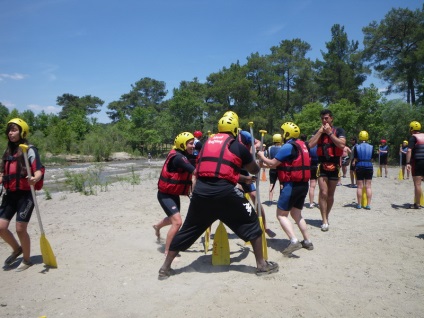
[379,167]
[364,199]
[258,198]
[400,176]
[207,237]
[221,246]
[46,251]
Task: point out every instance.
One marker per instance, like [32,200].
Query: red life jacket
[217,161]
[15,173]
[326,147]
[174,182]
[299,169]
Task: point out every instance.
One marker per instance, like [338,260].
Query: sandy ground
[369,264]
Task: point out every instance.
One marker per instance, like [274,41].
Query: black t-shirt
[216,187]
[180,161]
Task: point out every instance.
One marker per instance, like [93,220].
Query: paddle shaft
[24,150]
[258,198]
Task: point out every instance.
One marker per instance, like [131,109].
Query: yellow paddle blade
[207,237]
[400,176]
[378,172]
[364,200]
[422,199]
[46,251]
[221,246]
[264,243]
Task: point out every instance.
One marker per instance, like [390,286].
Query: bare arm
[272,163]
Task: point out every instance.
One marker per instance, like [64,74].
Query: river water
[55,177]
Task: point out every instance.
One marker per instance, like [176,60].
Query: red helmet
[383,141]
[198,134]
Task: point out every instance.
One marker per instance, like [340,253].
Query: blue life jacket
[364,153]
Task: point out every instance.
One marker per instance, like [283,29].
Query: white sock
[294,240]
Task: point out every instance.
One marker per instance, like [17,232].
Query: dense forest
[270,89]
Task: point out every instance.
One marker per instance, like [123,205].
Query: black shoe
[309,246]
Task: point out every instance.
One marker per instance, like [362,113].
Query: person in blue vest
[364,170]
[277,139]
[383,152]
[293,168]
[18,198]
[415,160]
[175,180]
[403,150]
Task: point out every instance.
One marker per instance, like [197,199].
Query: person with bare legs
[293,166]
[175,180]
[330,141]
[363,153]
[415,161]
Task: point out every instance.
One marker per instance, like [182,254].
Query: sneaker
[368,207]
[309,246]
[324,227]
[358,206]
[13,256]
[311,205]
[354,186]
[292,247]
[414,206]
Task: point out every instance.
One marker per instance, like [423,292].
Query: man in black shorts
[330,141]
[415,160]
[216,197]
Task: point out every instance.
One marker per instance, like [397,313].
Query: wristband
[330,134]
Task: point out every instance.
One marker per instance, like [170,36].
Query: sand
[369,264]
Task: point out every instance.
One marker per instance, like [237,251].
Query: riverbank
[369,263]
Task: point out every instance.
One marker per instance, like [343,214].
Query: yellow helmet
[180,141]
[290,130]
[277,138]
[405,142]
[24,126]
[363,136]
[230,114]
[228,124]
[414,125]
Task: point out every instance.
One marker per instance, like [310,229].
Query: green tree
[395,47]
[341,72]
[4,113]
[86,105]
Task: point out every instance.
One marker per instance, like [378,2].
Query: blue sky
[100,48]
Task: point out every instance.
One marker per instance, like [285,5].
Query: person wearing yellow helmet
[330,141]
[175,180]
[18,198]
[415,160]
[364,169]
[216,197]
[293,169]
[403,150]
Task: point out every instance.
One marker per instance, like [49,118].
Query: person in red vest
[175,180]
[330,141]
[18,198]
[216,197]
[293,165]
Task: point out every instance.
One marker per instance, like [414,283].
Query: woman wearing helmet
[18,198]
[175,180]
[415,160]
[364,170]
[216,197]
[403,150]
[293,168]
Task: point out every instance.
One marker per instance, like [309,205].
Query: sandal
[414,206]
[164,274]
[24,265]
[271,267]
[13,256]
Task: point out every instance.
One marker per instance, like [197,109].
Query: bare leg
[417,189]
[164,222]
[21,230]
[360,184]
[301,223]
[285,223]
[175,226]
[7,236]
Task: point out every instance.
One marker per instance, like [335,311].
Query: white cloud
[8,104]
[14,76]
[47,109]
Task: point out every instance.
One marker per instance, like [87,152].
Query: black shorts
[331,175]
[273,176]
[314,172]
[19,202]
[170,203]
[234,210]
[364,174]
[417,168]
[383,160]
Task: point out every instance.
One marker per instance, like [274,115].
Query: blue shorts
[19,203]
[292,195]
